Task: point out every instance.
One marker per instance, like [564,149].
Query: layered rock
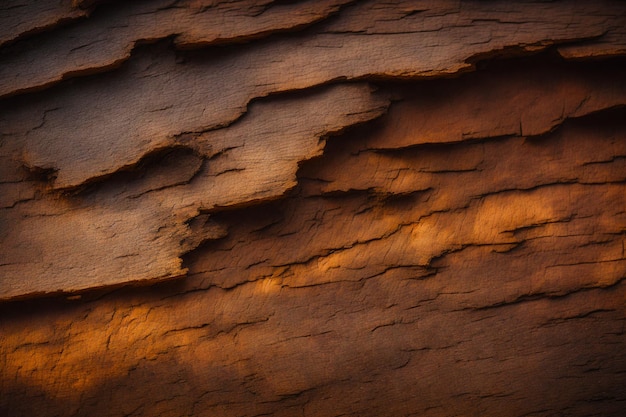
[361,208]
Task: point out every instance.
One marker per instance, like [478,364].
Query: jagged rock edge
[116,63]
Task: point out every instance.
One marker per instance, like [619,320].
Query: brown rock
[344,228]
[20,18]
[129,231]
[106,40]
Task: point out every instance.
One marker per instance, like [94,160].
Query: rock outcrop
[312,208]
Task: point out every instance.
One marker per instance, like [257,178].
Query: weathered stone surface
[209,94]
[20,18]
[106,40]
[136,230]
[344,227]
[498,289]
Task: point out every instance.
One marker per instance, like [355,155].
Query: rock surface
[359,207]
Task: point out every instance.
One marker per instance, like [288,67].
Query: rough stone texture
[134,230]
[21,18]
[107,39]
[396,208]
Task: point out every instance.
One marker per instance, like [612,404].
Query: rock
[136,229]
[312,207]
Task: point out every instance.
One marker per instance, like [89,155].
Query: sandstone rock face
[317,208]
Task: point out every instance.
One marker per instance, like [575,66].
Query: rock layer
[129,230]
[360,208]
